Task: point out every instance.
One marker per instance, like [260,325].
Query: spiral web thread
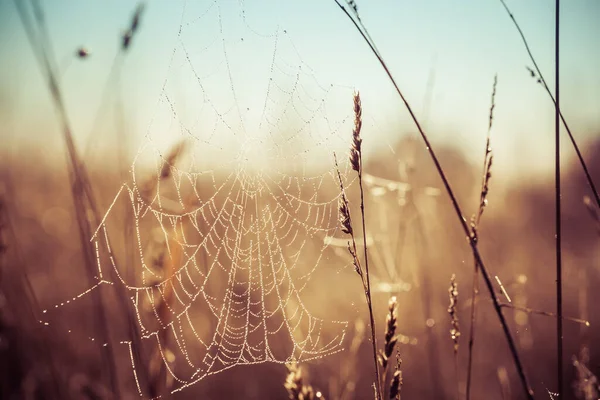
[226,249]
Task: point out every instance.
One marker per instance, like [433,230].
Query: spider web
[230,226]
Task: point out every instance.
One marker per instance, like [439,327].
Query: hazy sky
[194,52]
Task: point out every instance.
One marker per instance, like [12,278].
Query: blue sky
[457,45]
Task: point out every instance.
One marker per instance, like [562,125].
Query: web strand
[230,229]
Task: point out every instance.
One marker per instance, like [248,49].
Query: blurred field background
[415,243]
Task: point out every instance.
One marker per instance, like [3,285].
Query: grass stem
[559,320]
[542,81]
[463,222]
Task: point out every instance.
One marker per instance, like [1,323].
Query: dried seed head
[345,215]
[171,158]
[487,168]
[531,72]
[534,75]
[396,383]
[355,261]
[355,148]
[353,5]
[82,52]
[135,20]
[126,39]
[390,332]
[133,27]
[391,320]
[166,170]
[296,387]
[493,101]
[346,222]
[452,310]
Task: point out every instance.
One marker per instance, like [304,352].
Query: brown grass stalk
[455,331]
[346,221]
[358,167]
[80,183]
[537,74]
[396,384]
[83,196]
[557,202]
[475,220]
[390,339]
[458,210]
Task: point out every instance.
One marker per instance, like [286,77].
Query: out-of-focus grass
[417,232]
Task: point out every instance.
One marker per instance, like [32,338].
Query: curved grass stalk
[463,222]
[538,74]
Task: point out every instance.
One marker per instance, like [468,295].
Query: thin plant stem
[540,76]
[367,279]
[487,163]
[559,320]
[42,49]
[347,228]
[82,193]
[475,290]
[463,222]
[455,331]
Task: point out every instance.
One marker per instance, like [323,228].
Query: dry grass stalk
[297,388]
[390,339]
[173,155]
[537,74]
[84,199]
[453,311]
[346,222]
[355,148]
[475,220]
[455,331]
[133,27]
[456,206]
[558,207]
[391,321]
[166,169]
[396,384]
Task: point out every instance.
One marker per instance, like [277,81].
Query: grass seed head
[345,215]
[296,387]
[82,52]
[390,333]
[396,383]
[453,311]
[355,148]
